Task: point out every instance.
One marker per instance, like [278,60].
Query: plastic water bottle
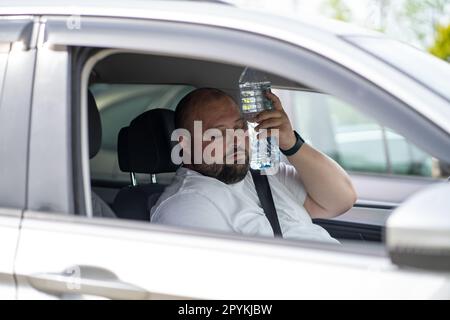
[264,153]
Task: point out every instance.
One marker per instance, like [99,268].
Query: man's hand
[329,189]
[276,118]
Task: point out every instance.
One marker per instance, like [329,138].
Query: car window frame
[50,177]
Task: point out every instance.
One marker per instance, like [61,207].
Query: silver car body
[49,253]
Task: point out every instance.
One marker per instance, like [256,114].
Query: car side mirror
[418,231]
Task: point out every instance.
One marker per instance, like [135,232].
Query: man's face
[223,114]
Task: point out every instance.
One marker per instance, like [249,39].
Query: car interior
[137,163]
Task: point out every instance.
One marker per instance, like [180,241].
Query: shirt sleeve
[290,178]
[191,210]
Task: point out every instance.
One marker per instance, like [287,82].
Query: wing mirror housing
[418,231]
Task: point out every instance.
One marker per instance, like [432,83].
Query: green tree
[337,9]
[423,16]
[441,46]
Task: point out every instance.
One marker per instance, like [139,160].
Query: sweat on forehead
[194,103]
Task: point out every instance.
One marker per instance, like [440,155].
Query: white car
[53,247]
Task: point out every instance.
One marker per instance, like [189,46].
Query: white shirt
[193,200]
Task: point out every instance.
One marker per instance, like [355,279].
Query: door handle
[86,280]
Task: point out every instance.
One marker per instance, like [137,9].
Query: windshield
[423,67]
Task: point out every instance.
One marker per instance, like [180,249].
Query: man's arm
[329,189]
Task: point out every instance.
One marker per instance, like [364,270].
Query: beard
[227,173]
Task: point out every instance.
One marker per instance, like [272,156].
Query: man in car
[222,196]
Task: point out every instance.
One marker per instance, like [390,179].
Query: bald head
[203,104]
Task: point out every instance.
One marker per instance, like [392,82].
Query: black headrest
[94,126]
[122,150]
[145,146]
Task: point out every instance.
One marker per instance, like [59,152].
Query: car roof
[203,12]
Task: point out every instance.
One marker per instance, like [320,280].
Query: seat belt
[265,197]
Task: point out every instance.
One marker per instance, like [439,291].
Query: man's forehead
[215,111]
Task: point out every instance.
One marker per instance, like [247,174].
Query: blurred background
[424,24]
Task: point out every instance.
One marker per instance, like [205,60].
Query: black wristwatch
[298,144]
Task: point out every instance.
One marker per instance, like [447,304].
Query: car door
[17,57]
[65,253]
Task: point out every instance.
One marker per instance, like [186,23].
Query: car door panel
[149,262]
[359,223]
[388,189]
[344,230]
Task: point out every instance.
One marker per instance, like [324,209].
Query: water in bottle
[264,153]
